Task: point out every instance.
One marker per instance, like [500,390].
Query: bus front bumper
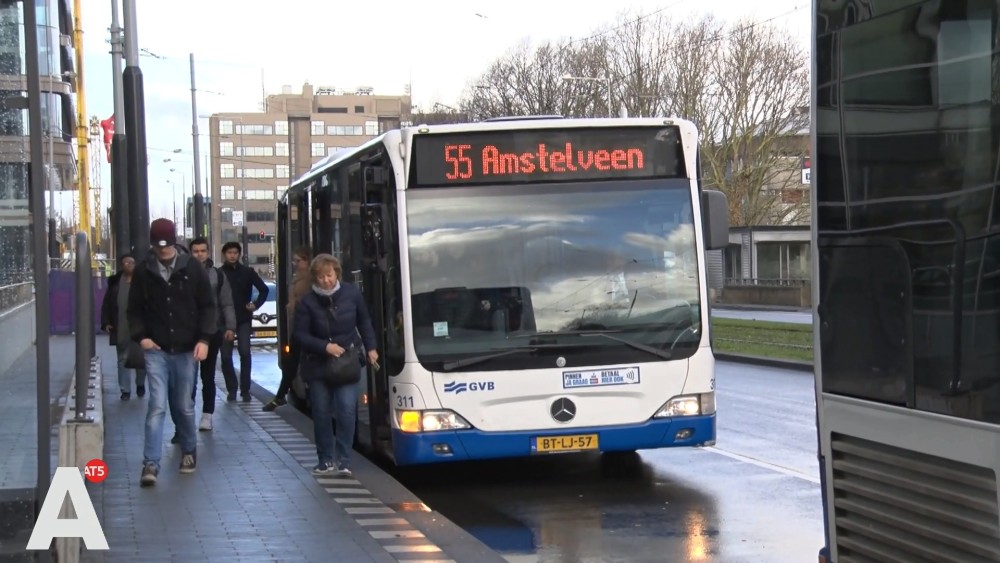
[472,444]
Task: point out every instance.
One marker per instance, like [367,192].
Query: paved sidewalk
[19,438]
[252,497]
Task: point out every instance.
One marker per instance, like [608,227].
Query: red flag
[108,125]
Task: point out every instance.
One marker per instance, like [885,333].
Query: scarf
[326,292]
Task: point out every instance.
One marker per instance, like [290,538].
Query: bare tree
[761,88]
[743,85]
[529,81]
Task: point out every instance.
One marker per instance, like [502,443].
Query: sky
[243,48]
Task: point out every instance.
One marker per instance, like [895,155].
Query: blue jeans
[125,374]
[170,378]
[344,401]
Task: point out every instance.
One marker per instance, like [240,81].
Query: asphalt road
[753,497]
[800,317]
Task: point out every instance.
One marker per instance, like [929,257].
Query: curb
[792,365]
[447,541]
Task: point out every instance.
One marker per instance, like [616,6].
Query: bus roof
[405,134]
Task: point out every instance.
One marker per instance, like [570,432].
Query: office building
[254,156]
[56,67]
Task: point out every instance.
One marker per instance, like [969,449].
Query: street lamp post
[606,79]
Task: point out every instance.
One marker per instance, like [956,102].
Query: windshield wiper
[605,334]
[448,366]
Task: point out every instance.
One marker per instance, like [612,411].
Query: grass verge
[780,341]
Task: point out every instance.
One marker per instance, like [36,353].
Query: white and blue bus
[537,285]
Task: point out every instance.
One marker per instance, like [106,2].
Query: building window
[226,148]
[227,170]
[345,130]
[318,149]
[260,216]
[225,127]
[255,151]
[254,129]
[255,173]
[281,170]
[280,127]
[280,191]
[227,192]
[371,128]
[258,195]
[317,127]
[280,149]
[359,109]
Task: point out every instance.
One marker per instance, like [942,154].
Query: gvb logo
[69,481]
[460,387]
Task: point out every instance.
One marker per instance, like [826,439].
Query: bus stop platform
[253,496]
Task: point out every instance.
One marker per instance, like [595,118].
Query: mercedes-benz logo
[563,410]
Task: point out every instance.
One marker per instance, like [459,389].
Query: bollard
[84,325]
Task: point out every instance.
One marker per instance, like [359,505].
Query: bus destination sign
[547,155]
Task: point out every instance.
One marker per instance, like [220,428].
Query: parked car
[265,319]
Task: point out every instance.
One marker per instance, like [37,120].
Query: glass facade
[908,207]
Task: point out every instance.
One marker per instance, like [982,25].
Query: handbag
[343,370]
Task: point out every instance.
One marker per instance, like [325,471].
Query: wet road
[753,497]
[799,317]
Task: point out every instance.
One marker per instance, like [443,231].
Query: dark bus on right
[906,232]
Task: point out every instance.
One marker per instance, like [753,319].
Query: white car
[265,319]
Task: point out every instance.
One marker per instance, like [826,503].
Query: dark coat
[175,315]
[109,308]
[320,320]
[242,280]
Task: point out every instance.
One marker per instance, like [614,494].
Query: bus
[906,234]
[537,285]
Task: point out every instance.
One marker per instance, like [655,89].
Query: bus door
[375,225]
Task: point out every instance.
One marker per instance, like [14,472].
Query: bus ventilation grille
[898,505]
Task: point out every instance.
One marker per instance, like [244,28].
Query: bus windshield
[523,273]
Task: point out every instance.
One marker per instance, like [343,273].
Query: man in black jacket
[173,316]
[242,280]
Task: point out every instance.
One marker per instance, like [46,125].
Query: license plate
[551,444]
[266,334]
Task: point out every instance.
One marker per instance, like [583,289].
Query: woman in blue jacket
[328,322]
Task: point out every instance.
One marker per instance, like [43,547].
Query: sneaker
[247,398]
[324,468]
[126,395]
[188,463]
[206,422]
[149,473]
[275,403]
[231,397]
[344,470]
[140,391]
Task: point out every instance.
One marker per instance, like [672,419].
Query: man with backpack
[227,330]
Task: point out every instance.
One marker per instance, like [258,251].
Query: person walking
[301,285]
[114,319]
[332,321]
[225,333]
[173,316]
[242,280]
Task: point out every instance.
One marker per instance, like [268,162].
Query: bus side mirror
[715,219]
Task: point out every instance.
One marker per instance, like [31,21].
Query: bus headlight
[430,421]
[688,405]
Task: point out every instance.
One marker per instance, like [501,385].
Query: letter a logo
[67,480]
